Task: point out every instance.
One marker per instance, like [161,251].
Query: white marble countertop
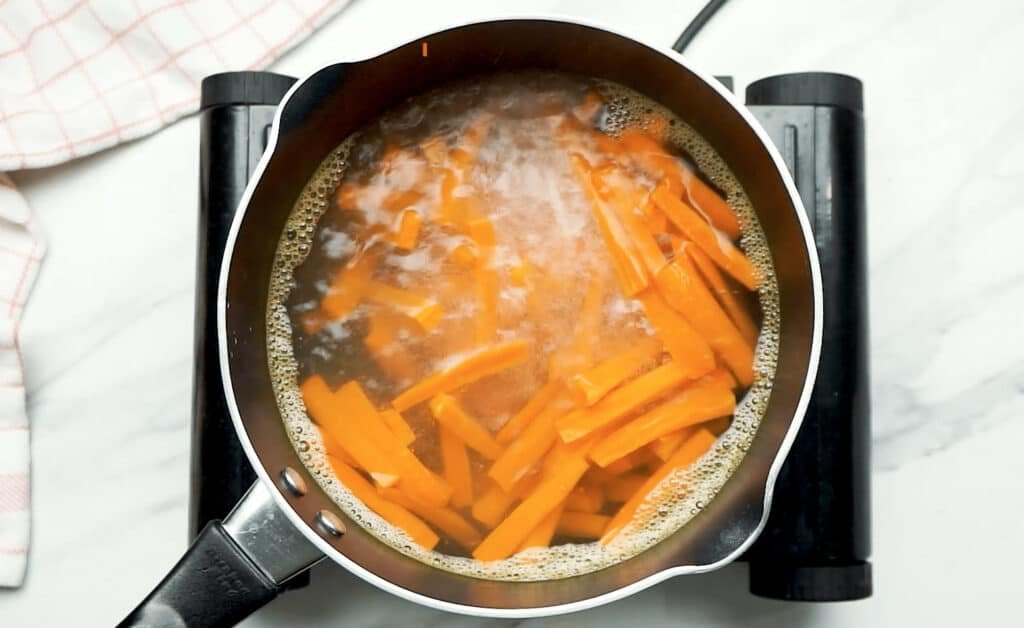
[108,332]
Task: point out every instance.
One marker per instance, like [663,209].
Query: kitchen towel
[77,76]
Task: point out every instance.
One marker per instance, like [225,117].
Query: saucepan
[286,523]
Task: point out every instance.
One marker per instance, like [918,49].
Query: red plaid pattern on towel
[78,76]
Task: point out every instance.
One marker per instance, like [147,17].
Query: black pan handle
[230,570]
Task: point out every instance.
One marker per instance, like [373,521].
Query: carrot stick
[721,251]
[629,267]
[585,498]
[408,230]
[582,525]
[696,404]
[693,448]
[621,488]
[689,351]
[444,519]
[515,426]
[344,427]
[588,387]
[523,453]
[424,311]
[397,516]
[467,370]
[654,218]
[397,424]
[349,287]
[491,506]
[667,445]
[631,462]
[541,535]
[457,472]
[725,296]
[683,289]
[413,475]
[449,414]
[466,255]
[626,199]
[552,491]
[620,402]
[658,162]
[387,350]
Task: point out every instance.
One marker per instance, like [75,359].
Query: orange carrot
[716,282]
[623,487]
[457,472]
[616,189]
[654,218]
[629,267]
[690,352]
[467,370]
[585,498]
[408,230]
[413,475]
[523,453]
[344,427]
[720,250]
[718,426]
[515,426]
[450,415]
[444,519]
[397,424]
[620,402]
[696,404]
[667,445]
[591,385]
[399,517]
[491,506]
[426,312]
[464,154]
[466,255]
[349,287]
[383,339]
[686,293]
[509,535]
[631,462]
[542,534]
[657,162]
[481,231]
[582,525]
[693,448]
[519,274]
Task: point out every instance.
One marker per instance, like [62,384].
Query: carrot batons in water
[695,404]
[620,402]
[688,452]
[453,419]
[398,516]
[686,293]
[477,365]
[720,250]
[508,536]
[590,386]
[560,349]
[457,470]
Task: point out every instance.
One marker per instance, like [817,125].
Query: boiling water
[521,175]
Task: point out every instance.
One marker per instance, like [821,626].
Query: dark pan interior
[339,99]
